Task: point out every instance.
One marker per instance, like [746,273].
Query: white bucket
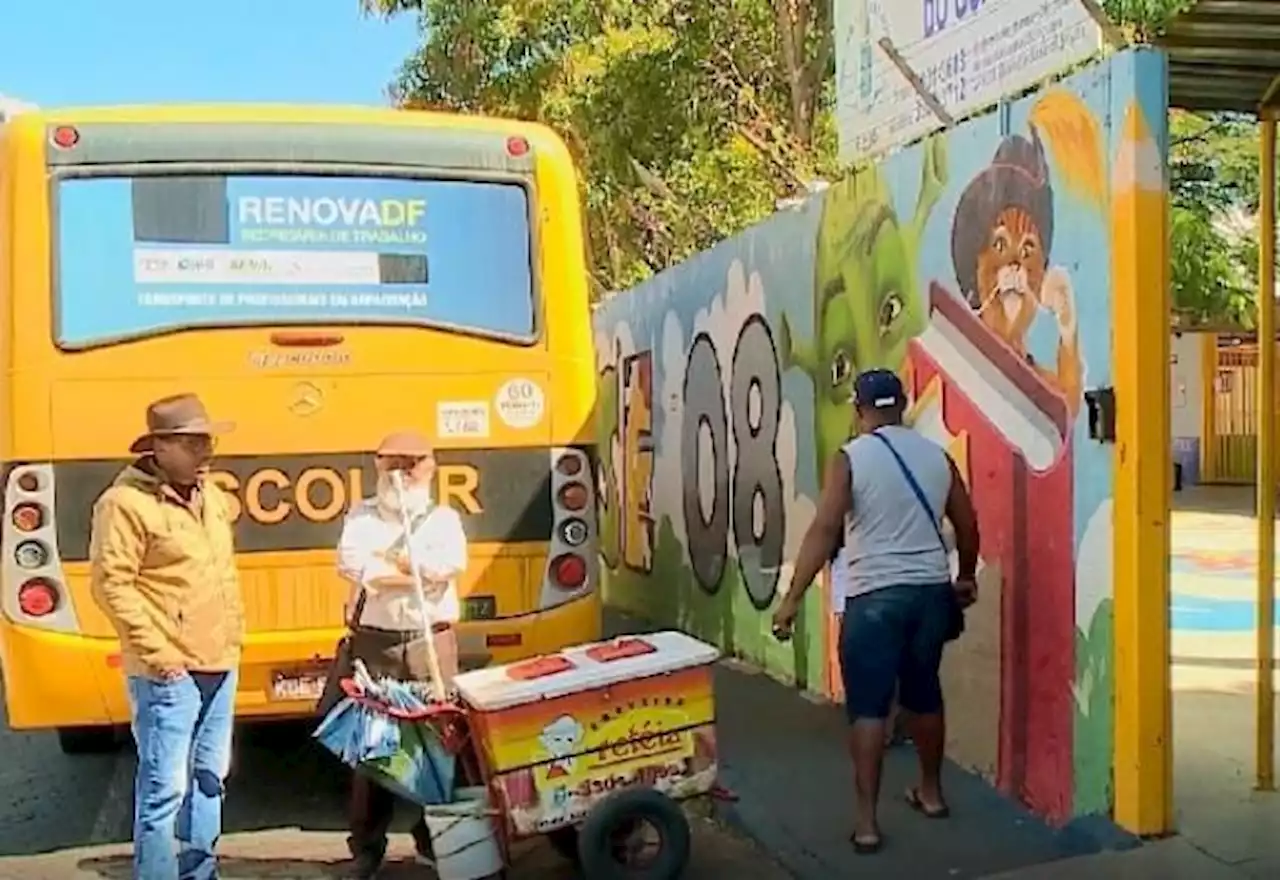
[463,838]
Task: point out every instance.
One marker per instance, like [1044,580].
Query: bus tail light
[38,598]
[28,517]
[573,496]
[569,465]
[571,558]
[33,588]
[569,571]
[31,555]
[574,532]
[517,146]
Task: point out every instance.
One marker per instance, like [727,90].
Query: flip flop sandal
[867,846]
[915,803]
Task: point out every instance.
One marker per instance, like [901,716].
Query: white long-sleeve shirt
[368,548]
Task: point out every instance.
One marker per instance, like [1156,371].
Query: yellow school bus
[320,276]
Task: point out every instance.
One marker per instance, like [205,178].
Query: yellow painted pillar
[1266,487]
[1208,407]
[1143,474]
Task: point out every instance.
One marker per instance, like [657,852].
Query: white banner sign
[968,53]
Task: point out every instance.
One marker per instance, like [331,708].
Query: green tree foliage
[1213,185]
[689,119]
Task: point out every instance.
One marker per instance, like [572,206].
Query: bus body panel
[309,396]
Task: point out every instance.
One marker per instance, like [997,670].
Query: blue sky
[75,52]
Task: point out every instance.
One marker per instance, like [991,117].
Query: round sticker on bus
[520,403]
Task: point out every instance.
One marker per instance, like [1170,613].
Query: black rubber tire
[595,849]
[89,740]
[565,842]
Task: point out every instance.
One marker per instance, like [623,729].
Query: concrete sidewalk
[1173,859]
[785,758]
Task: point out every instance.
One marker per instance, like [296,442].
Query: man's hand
[403,565]
[784,618]
[966,591]
[170,674]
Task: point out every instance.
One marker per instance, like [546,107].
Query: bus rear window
[144,255]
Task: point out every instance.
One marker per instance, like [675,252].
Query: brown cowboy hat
[179,414]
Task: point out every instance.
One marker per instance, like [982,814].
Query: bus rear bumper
[60,680]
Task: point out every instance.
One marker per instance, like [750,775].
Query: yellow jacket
[164,572]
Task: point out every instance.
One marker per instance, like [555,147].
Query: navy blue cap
[878,389]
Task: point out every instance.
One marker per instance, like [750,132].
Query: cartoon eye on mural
[867,302]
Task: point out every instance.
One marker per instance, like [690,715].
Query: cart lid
[582,668]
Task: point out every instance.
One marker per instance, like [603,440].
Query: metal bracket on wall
[1101,403]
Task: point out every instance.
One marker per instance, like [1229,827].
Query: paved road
[284,815]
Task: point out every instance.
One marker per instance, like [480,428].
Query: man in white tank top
[884,495]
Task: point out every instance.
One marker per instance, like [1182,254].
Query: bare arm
[965,522]
[822,538]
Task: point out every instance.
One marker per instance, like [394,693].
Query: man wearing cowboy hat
[163,571]
[387,627]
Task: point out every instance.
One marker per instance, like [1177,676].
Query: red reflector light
[569,571]
[29,482]
[503,640]
[28,517]
[114,661]
[569,465]
[37,598]
[66,137]
[573,497]
[517,146]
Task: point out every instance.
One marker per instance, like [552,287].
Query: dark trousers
[402,656]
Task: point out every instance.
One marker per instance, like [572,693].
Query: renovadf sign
[968,53]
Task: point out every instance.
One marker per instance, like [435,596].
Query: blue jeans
[183,732]
[894,637]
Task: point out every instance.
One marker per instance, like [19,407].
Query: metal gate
[1231,413]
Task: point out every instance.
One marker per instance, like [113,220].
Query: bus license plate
[299,684]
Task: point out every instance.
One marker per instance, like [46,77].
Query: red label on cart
[620,650]
[540,667]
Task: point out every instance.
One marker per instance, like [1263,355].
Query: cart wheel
[640,834]
[565,842]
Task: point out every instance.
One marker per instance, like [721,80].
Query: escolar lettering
[320,494]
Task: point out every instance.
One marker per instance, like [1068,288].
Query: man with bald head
[387,625]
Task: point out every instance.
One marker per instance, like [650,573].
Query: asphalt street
[67,816]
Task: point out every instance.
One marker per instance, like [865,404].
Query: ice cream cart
[594,747]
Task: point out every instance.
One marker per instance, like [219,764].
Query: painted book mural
[976,264]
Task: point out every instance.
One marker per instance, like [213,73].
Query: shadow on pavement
[785,758]
[47,800]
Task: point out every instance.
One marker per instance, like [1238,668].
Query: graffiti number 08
[752,500]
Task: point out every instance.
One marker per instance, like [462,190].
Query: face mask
[417,499]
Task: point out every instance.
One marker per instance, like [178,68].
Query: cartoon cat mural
[866,299]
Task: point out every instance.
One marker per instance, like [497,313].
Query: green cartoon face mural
[867,302]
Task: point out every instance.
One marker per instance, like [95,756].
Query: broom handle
[433,657]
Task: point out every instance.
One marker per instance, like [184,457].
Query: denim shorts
[894,637]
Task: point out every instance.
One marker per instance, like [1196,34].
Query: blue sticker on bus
[136,256]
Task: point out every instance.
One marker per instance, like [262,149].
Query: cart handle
[431,710]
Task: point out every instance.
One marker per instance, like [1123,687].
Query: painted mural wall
[977,264]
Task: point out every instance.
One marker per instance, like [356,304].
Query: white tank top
[889,540]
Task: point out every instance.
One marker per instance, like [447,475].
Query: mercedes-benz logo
[307,399]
